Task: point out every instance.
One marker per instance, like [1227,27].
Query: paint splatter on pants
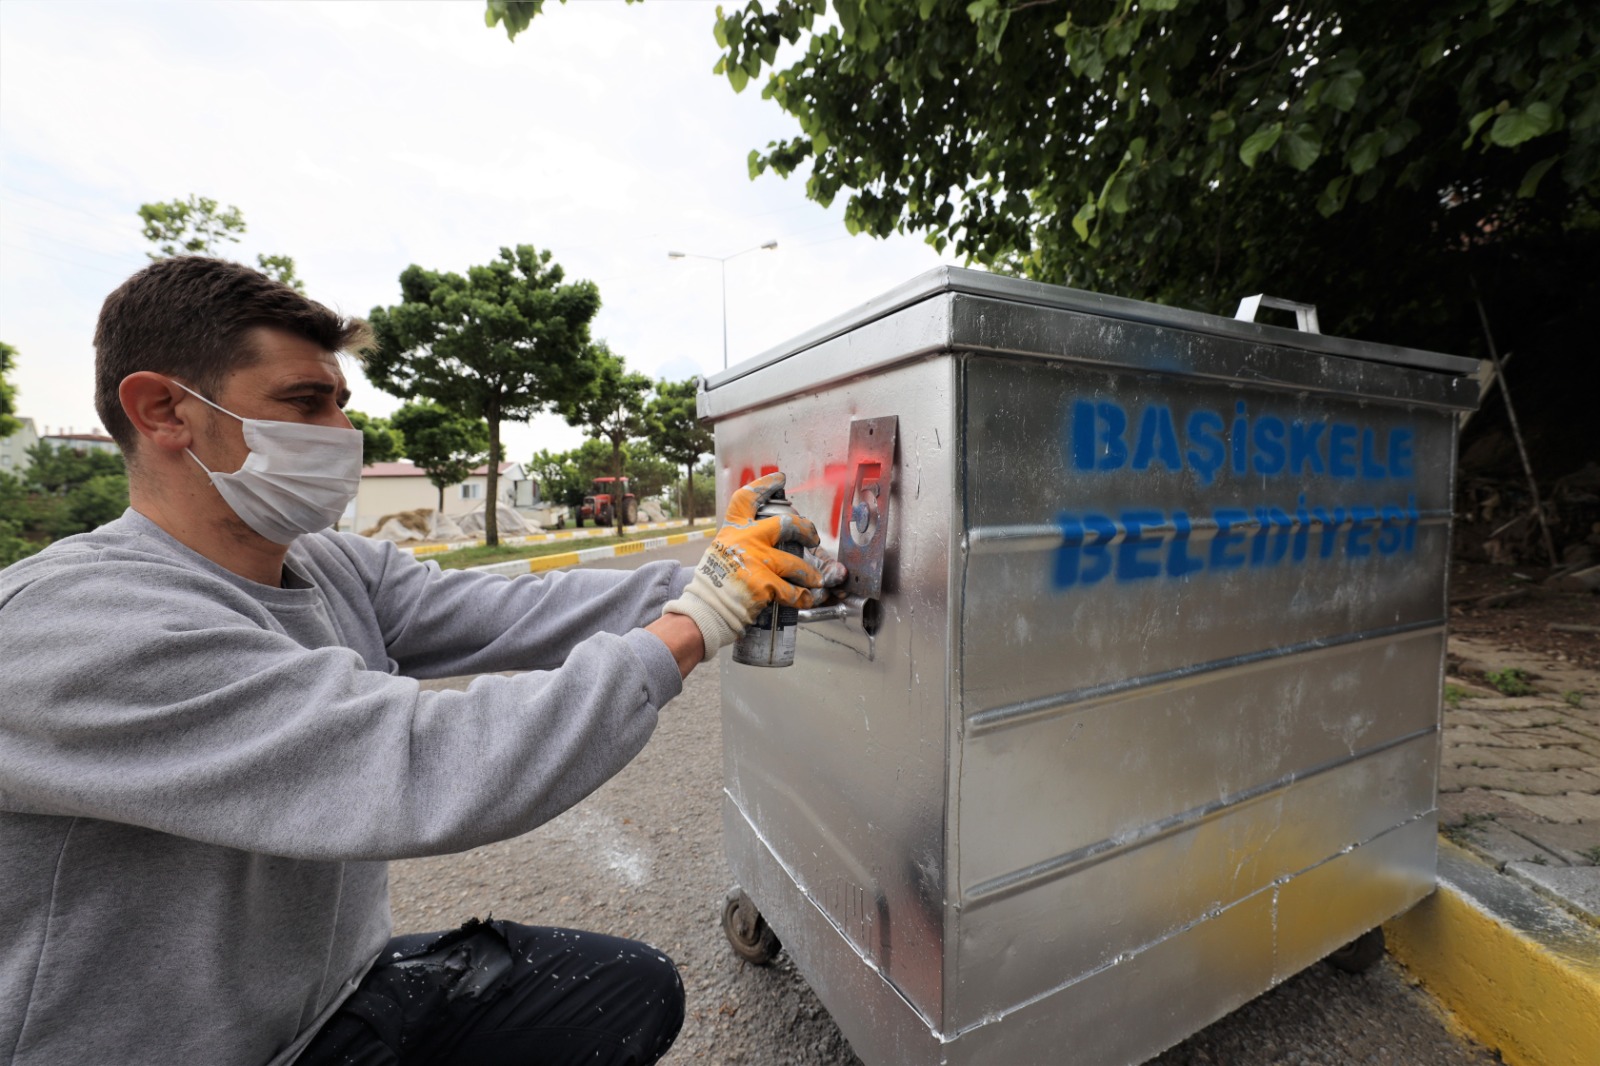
[496,993]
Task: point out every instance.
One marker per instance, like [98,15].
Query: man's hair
[189,317]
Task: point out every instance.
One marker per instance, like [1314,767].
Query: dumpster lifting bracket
[864,514]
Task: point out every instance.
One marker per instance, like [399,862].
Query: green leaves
[1005,131]
[1332,199]
[1302,146]
[1080,221]
[196,226]
[447,444]
[1516,125]
[381,442]
[1535,174]
[9,423]
[1259,142]
[1343,89]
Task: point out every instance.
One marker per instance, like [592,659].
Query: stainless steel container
[1150,719]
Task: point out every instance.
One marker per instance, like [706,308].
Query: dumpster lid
[981,283]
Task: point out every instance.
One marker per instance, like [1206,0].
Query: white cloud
[360,138]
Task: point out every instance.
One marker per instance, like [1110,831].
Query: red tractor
[604,500]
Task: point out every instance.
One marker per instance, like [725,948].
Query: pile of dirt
[509,522]
[1534,609]
[1496,522]
[422,524]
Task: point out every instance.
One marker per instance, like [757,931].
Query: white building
[14,449]
[82,442]
[391,488]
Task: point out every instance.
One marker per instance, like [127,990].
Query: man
[212,739]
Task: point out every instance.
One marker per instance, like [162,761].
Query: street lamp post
[722,262]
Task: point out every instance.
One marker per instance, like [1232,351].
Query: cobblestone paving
[1519,780]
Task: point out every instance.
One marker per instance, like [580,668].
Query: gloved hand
[744,571]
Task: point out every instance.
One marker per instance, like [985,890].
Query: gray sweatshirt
[201,777]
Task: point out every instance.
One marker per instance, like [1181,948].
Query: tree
[381,441]
[57,469]
[675,430]
[97,501]
[200,226]
[611,409]
[1379,159]
[508,340]
[704,506]
[566,477]
[649,474]
[560,483]
[196,226]
[64,491]
[593,459]
[447,445]
[13,502]
[9,423]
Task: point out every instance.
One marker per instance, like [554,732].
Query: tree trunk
[491,504]
[616,486]
[688,471]
[441,498]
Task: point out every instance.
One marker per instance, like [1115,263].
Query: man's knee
[603,974]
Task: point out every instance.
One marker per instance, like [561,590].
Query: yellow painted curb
[631,548]
[541,563]
[1521,975]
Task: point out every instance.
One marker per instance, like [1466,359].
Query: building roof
[86,438]
[404,469]
[392,470]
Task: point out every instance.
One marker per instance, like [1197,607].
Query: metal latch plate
[864,515]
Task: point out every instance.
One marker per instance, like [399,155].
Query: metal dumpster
[1150,721]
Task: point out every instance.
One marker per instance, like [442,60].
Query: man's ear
[151,403]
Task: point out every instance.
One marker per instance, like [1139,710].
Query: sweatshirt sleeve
[153,696]
[445,623]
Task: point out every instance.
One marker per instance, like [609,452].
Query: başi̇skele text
[1141,544]
[1138,544]
[1104,436]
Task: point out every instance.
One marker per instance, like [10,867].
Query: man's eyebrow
[340,393]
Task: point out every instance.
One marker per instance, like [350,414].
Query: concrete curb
[424,550]
[540,563]
[1521,974]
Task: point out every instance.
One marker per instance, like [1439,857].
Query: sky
[361,137]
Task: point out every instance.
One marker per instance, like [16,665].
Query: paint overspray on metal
[1152,720]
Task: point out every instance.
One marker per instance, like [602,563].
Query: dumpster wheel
[1360,954]
[748,933]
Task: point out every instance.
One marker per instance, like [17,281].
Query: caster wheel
[1360,954]
[748,933]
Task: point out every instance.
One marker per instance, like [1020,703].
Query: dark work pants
[496,994]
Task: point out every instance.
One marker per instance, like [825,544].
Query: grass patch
[484,555]
[1573,699]
[1593,854]
[1464,833]
[1512,681]
[1454,694]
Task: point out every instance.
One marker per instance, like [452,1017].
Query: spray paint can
[769,641]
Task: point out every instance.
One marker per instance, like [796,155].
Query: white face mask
[297,478]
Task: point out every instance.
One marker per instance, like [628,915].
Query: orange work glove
[744,570]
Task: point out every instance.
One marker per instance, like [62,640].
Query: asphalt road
[642,858]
